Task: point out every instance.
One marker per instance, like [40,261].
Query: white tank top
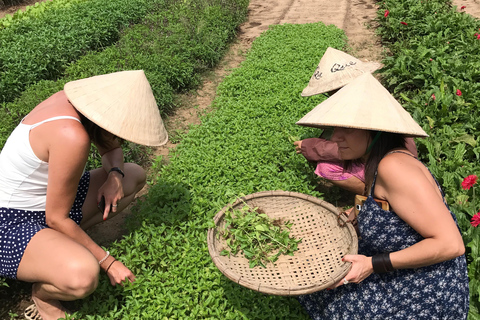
[23,176]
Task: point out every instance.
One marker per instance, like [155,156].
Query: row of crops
[244,145]
[172,41]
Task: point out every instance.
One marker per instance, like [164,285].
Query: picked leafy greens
[260,238]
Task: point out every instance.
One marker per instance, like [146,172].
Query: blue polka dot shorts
[17,227]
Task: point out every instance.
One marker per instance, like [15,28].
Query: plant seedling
[260,238]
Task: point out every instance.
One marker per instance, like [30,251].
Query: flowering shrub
[469,181]
[433,70]
[476,220]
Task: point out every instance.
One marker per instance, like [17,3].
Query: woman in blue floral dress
[411,262]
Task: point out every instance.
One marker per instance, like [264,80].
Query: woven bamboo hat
[122,103]
[336,69]
[363,104]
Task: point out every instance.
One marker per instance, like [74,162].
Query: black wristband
[381,263]
[108,268]
[117,169]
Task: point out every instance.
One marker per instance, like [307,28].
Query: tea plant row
[42,48]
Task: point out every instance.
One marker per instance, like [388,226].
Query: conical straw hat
[363,104]
[121,103]
[336,69]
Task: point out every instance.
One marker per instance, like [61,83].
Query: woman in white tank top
[46,198]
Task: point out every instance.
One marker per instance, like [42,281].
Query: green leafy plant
[260,238]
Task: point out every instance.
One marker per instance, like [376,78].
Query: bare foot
[48,309]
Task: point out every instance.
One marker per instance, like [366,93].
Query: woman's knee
[136,174]
[81,277]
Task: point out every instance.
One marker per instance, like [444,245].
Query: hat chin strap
[373,142]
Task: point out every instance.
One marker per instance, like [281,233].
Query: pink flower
[404,23]
[469,181]
[475,220]
[386,13]
[433,97]
[431,59]
[459,93]
[478,36]
[463,7]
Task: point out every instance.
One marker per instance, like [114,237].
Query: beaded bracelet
[104,258]
[108,268]
[381,263]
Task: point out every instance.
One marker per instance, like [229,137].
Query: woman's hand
[360,270]
[112,190]
[298,146]
[118,273]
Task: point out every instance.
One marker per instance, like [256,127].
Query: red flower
[475,220]
[459,93]
[478,36]
[433,97]
[463,7]
[386,13]
[469,181]
[404,23]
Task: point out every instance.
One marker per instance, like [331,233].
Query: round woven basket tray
[315,266]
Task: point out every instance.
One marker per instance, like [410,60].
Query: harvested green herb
[260,238]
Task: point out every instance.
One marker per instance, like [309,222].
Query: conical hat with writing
[363,104]
[336,69]
[122,103]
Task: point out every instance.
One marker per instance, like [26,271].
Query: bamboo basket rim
[317,265]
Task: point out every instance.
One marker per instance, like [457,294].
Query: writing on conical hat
[336,69]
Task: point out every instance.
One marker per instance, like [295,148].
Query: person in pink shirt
[324,153]
[335,70]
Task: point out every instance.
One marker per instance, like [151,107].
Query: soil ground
[355,17]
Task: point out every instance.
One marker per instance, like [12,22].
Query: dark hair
[385,143]
[100,137]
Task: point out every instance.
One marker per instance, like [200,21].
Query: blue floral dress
[438,291]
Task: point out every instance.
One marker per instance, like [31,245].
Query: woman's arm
[318,149]
[415,199]
[68,152]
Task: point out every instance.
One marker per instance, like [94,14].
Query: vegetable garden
[244,145]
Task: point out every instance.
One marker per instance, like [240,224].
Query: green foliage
[33,11]
[41,48]
[188,38]
[432,57]
[258,237]
[167,45]
[241,147]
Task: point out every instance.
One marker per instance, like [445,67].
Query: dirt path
[353,16]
